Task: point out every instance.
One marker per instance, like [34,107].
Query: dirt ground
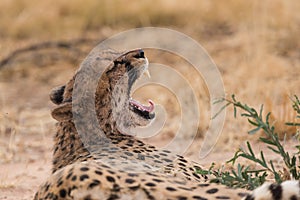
[255,47]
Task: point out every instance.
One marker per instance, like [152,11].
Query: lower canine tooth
[147,73]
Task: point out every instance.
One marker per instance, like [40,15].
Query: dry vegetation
[255,44]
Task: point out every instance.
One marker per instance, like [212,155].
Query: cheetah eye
[140,54]
[116,62]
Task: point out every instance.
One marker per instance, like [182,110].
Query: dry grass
[255,44]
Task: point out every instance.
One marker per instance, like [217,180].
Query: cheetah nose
[140,54]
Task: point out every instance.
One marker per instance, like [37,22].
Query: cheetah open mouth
[142,110]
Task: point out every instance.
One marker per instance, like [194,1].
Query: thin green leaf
[233,97]
[274,150]
[292,123]
[221,109]
[253,131]
[268,117]
[263,159]
[246,115]
[216,101]
[261,110]
[234,112]
[253,111]
[250,149]
[267,141]
[276,175]
[252,122]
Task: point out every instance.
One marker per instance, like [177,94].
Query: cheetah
[110,164]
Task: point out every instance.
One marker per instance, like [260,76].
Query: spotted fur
[119,166]
[289,190]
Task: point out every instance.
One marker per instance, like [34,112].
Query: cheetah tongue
[142,107]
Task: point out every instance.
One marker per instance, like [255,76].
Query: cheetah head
[122,75]
[113,103]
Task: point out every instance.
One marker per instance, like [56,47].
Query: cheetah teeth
[147,73]
[142,107]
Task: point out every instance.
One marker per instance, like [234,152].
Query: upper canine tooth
[147,73]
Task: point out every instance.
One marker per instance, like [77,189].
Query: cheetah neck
[69,147]
[111,102]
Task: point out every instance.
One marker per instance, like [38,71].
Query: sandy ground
[21,180]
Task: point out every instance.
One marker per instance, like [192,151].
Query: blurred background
[255,44]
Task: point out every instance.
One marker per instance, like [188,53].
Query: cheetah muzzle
[134,105]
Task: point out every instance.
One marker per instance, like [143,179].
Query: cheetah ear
[63,112]
[57,94]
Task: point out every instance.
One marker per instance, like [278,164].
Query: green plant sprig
[271,140]
[242,177]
